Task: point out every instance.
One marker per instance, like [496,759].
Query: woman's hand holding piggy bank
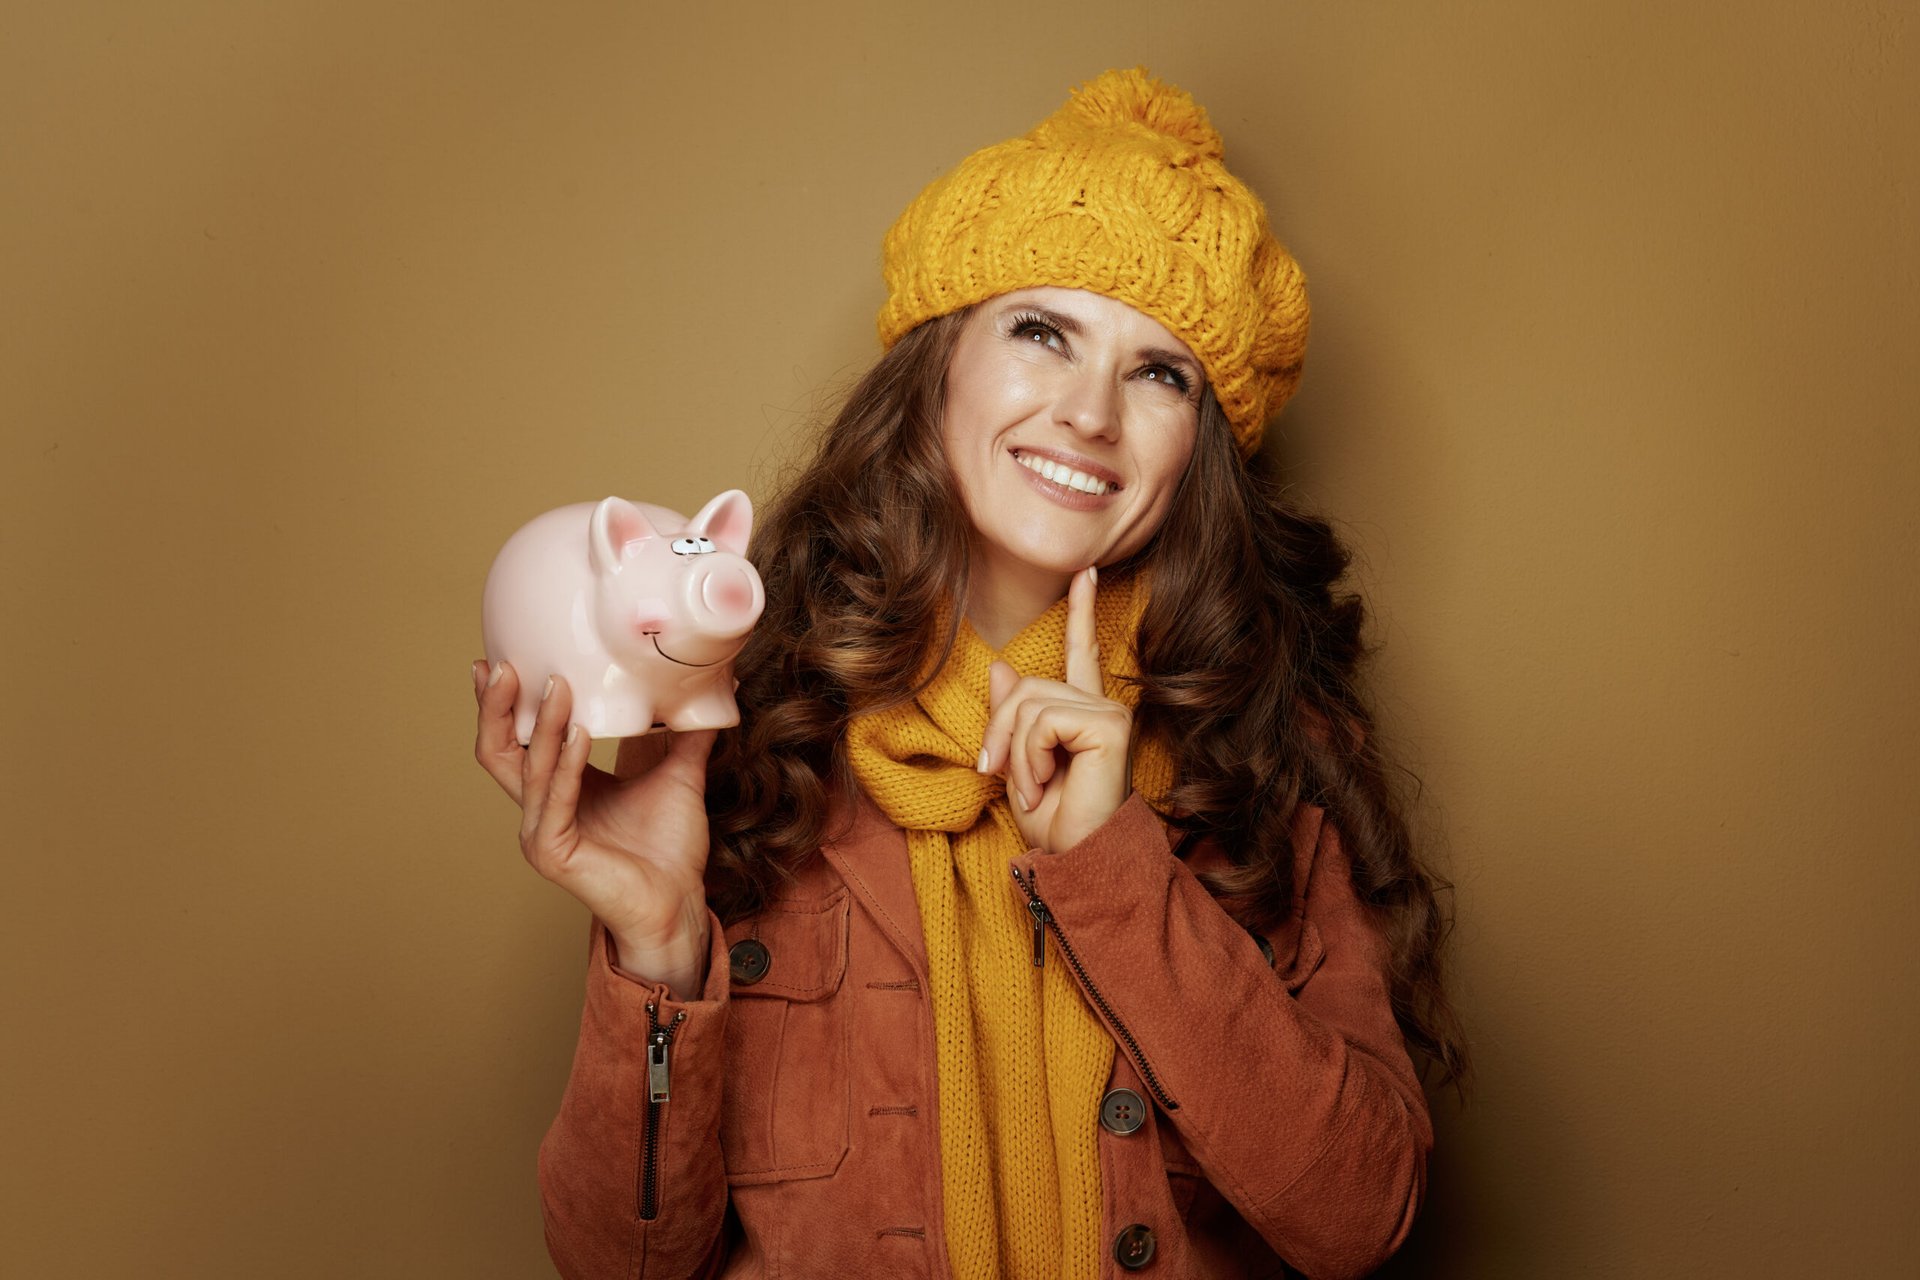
[633,849]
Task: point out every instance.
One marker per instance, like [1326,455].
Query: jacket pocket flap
[801,953]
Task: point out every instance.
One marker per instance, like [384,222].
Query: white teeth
[1063,475]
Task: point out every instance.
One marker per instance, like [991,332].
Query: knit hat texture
[1123,191]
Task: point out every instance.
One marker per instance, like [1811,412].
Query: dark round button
[1122,1111]
[748,961]
[1133,1248]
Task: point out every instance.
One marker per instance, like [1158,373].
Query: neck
[1003,597]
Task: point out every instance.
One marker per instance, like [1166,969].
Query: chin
[1043,547]
[1056,562]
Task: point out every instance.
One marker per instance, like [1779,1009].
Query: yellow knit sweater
[1022,1060]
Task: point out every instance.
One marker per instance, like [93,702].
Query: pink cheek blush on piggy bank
[639,609]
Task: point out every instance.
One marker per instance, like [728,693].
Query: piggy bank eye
[692,546]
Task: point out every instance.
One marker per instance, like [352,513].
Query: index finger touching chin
[1083,648]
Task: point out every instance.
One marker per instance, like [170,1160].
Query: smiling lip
[1079,462]
[1065,495]
[655,637]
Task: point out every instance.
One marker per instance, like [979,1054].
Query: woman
[1046,914]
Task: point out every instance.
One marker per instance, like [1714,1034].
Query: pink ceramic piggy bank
[639,609]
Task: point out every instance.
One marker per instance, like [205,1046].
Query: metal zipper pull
[1038,910]
[657,1066]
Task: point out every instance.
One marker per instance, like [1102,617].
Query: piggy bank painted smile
[639,609]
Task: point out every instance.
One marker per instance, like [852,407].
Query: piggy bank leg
[711,710]
[626,716]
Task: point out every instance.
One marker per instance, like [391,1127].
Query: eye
[1169,376]
[692,546]
[1031,326]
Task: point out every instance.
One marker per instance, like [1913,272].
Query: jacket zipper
[659,1040]
[1042,917]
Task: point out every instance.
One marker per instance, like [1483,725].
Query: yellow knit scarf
[1022,1060]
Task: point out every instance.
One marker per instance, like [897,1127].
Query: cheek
[1165,469]
[954,415]
[972,418]
[1169,462]
[960,449]
[957,408]
[963,380]
[990,388]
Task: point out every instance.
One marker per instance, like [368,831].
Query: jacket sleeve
[1302,1106]
[593,1164]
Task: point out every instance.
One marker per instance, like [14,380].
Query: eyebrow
[1067,324]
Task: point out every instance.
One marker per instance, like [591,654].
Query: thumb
[1001,677]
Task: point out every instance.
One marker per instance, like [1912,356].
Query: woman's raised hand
[634,850]
[1061,747]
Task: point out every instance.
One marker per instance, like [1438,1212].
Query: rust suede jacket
[787,1125]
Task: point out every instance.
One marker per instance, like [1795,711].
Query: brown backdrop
[307,305]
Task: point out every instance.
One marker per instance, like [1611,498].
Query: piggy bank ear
[728,520]
[613,532]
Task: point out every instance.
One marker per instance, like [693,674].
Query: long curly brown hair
[1253,689]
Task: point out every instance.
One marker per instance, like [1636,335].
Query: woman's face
[1069,381]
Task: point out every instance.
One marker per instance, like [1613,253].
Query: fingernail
[1019,801]
[982,766]
[549,689]
[573,731]
[1093,574]
[499,669]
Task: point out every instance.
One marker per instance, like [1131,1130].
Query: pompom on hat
[1123,191]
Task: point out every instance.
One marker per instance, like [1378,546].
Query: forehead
[1094,312]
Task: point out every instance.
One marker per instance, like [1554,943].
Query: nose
[728,592]
[1090,404]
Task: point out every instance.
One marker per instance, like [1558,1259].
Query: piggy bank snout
[730,596]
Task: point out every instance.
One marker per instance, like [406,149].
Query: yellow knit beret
[1123,191]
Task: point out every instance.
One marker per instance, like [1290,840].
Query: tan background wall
[307,305]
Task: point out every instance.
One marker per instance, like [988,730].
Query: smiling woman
[1047,913]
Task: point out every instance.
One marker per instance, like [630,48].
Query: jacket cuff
[1130,847]
[608,972]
